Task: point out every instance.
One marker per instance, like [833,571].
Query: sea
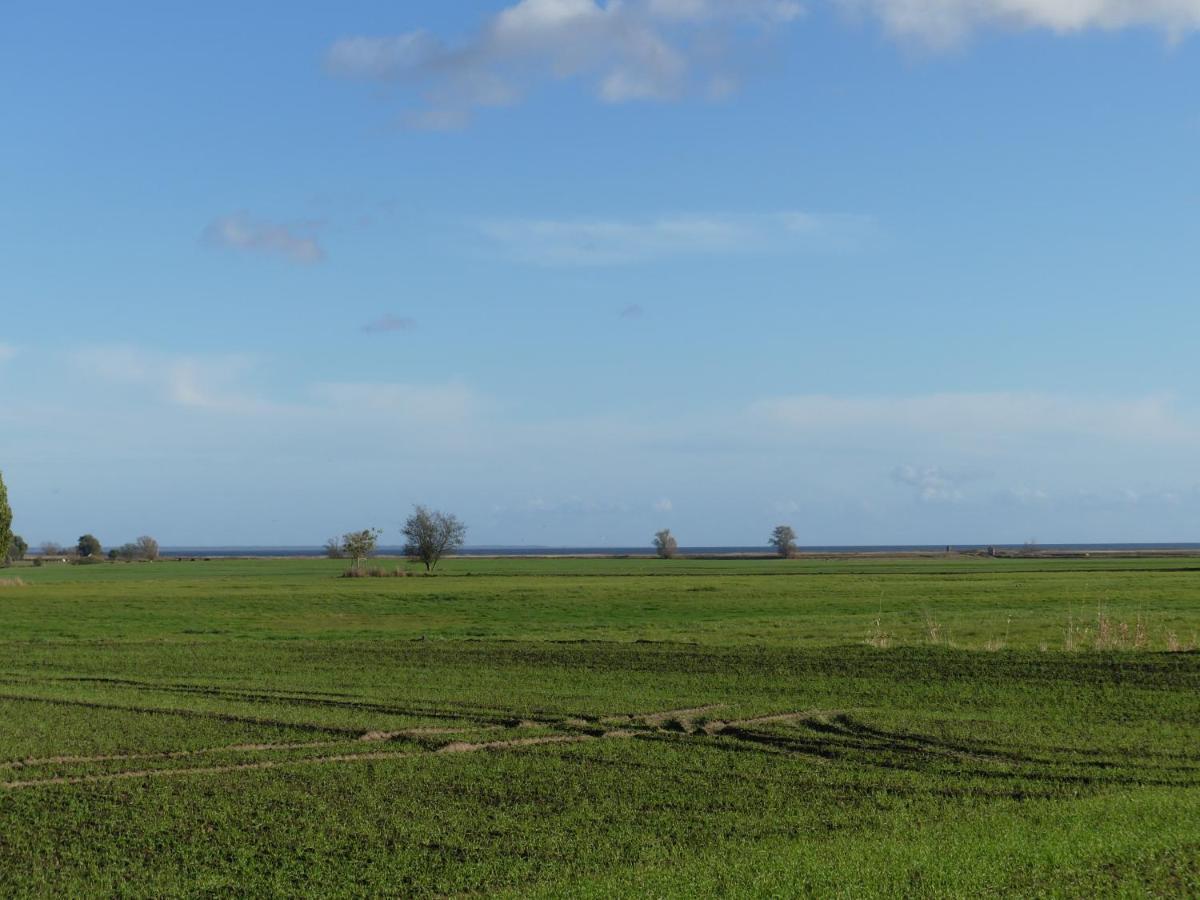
[531,550]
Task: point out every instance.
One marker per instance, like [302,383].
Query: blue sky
[918,271]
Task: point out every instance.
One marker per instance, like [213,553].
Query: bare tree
[665,544]
[358,545]
[147,548]
[783,539]
[431,534]
[127,552]
[333,549]
[52,548]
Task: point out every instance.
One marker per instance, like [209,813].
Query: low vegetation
[635,727]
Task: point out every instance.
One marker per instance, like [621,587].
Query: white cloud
[195,382]
[295,243]
[933,484]
[417,402]
[7,352]
[663,505]
[945,22]
[625,49]
[598,242]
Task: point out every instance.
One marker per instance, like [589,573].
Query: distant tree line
[429,535]
[783,539]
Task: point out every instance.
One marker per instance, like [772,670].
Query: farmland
[596,727]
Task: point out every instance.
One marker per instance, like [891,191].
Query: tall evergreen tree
[6,534]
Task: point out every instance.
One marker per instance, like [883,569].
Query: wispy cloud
[241,232]
[7,352]
[600,242]
[933,484]
[986,416]
[417,402]
[946,22]
[390,323]
[624,49]
[197,382]
[632,311]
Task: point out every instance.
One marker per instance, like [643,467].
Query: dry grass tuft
[878,638]
[11,582]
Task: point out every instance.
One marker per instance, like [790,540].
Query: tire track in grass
[186,713]
[293,698]
[370,737]
[458,747]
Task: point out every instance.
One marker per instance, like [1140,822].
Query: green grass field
[864,727]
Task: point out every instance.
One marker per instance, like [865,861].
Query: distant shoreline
[1042,551]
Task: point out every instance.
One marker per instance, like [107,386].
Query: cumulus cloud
[389,323]
[599,242]
[944,22]
[241,232]
[626,50]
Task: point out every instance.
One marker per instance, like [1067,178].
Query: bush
[375,572]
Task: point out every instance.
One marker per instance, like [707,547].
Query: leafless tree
[333,549]
[665,544]
[147,547]
[429,535]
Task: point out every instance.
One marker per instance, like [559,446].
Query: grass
[603,727]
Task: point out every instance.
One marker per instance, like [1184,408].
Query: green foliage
[359,545]
[18,549]
[89,547]
[430,535]
[6,519]
[783,539]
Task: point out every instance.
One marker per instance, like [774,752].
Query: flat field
[857,727]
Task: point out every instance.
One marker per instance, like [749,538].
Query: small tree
[89,546]
[358,545]
[333,549]
[431,534]
[127,552]
[6,533]
[52,548]
[147,548]
[18,549]
[783,539]
[665,544]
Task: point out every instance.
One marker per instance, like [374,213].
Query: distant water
[687,551]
